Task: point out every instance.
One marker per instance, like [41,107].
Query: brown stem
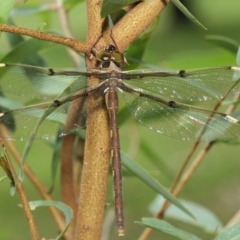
[95,22]
[74,44]
[233,220]
[95,171]
[64,21]
[28,172]
[135,22]
[68,192]
[23,197]
[177,185]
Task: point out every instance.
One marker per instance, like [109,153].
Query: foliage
[165,42]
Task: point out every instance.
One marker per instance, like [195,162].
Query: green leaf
[224,42]
[136,169]
[29,143]
[238,57]
[230,233]
[25,49]
[67,211]
[3,178]
[204,218]
[137,48]
[111,6]
[5,9]
[69,4]
[23,11]
[185,11]
[9,104]
[123,115]
[15,39]
[55,160]
[156,160]
[126,2]
[167,228]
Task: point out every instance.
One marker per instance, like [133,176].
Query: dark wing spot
[172,104]
[57,103]
[182,73]
[51,72]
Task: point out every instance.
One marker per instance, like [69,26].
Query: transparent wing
[190,85]
[180,120]
[43,120]
[39,83]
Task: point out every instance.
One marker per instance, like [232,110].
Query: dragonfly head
[110,56]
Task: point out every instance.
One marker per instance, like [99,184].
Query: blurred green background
[177,43]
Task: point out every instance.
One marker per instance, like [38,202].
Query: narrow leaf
[137,48]
[224,42]
[27,148]
[69,4]
[156,160]
[123,115]
[23,11]
[25,49]
[231,233]
[238,56]
[204,218]
[133,167]
[9,104]
[3,178]
[185,11]
[167,228]
[67,211]
[126,2]
[5,9]
[55,160]
[112,6]
[109,8]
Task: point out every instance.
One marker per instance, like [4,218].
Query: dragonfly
[156,99]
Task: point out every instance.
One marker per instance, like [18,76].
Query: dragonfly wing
[44,120]
[181,120]
[39,83]
[190,85]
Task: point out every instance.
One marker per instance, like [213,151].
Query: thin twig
[74,44]
[64,21]
[23,197]
[233,220]
[135,22]
[176,188]
[36,183]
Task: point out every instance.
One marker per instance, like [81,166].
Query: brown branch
[95,172]
[135,22]
[95,22]
[37,184]
[74,44]
[23,197]
[64,21]
[97,155]
[68,192]
[233,220]
[178,184]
